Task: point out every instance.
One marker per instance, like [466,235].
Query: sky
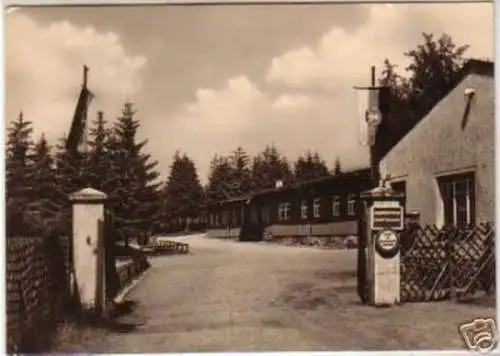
[207,79]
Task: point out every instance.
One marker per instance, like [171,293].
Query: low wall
[341,228]
[129,270]
[232,233]
[37,290]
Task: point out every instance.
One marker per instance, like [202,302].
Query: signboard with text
[387,215]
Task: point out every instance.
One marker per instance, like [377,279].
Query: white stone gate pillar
[385,218]
[88,247]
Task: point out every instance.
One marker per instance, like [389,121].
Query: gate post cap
[88,194]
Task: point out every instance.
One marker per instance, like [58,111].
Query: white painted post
[385,218]
[88,254]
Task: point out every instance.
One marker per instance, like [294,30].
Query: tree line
[39,177]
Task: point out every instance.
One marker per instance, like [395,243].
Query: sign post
[385,221]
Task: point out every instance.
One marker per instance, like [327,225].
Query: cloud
[292,102]
[305,100]
[316,106]
[44,72]
[343,58]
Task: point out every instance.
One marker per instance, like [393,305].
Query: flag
[369,110]
[76,138]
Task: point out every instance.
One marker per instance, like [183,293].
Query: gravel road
[233,296]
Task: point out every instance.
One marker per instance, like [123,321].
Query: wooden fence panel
[439,264]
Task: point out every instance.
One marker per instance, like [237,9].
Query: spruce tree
[219,186]
[310,166]
[183,194]
[268,167]
[19,174]
[338,168]
[241,176]
[133,183]
[44,204]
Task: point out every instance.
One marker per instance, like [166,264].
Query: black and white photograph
[249,177]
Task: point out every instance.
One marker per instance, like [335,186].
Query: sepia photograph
[251,177]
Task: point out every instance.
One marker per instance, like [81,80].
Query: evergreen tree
[71,175]
[183,194]
[241,176]
[337,168]
[133,183]
[433,71]
[19,174]
[100,165]
[219,185]
[310,166]
[45,193]
[268,167]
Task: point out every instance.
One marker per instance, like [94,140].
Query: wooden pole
[85,75]
[374,171]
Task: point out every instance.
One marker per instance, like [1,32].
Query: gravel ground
[231,296]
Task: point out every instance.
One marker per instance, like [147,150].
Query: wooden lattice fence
[452,262]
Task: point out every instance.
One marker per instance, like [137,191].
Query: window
[224,218]
[458,197]
[316,208]
[351,204]
[336,205]
[266,216]
[284,211]
[303,209]
[212,219]
[217,219]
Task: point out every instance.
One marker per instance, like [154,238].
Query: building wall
[439,145]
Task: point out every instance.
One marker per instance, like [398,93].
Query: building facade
[445,164]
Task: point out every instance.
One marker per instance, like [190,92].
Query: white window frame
[469,188]
[303,209]
[317,207]
[351,204]
[283,211]
[336,205]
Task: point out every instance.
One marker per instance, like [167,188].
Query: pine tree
[183,193]
[338,168]
[19,174]
[133,183]
[100,165]
[219,185]
[268,167]
[310,166]
[241,176]
[71,175]
[45,193]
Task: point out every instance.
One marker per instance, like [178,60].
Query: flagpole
[85,127]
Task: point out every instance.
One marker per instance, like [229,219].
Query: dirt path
[230,296]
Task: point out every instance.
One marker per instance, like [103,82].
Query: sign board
[387,215]
[387,243]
